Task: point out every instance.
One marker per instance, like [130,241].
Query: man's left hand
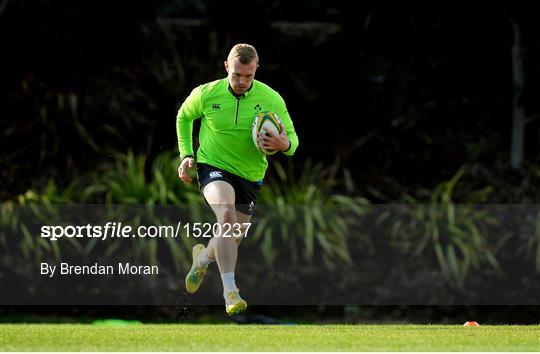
[271,141]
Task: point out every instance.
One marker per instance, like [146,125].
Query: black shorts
[245,191]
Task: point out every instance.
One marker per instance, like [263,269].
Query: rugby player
[230,168]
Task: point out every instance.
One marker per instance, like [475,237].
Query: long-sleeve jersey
[225,139]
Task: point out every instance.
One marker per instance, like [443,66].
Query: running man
[230,168]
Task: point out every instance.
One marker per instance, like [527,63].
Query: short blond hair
[245,53]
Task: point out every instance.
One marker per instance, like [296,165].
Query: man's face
[240,76]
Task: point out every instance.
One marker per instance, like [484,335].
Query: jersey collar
[245,94]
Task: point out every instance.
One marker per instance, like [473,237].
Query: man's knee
[225,213]
[229,214]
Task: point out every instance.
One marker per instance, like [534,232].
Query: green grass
[193,337]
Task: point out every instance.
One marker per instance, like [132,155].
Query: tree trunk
[518,114]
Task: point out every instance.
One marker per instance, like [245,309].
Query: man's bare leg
[220,195]
[242,219]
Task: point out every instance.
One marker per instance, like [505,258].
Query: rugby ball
[268,121]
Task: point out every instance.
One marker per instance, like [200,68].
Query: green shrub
[304,216]
[457,235]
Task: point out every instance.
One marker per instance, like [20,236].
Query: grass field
[193,337]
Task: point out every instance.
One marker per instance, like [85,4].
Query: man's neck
[241,94]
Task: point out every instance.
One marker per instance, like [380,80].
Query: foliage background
[393,104]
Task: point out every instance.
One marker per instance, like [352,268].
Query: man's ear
[226,66]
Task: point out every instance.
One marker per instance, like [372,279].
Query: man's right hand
[187,163]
